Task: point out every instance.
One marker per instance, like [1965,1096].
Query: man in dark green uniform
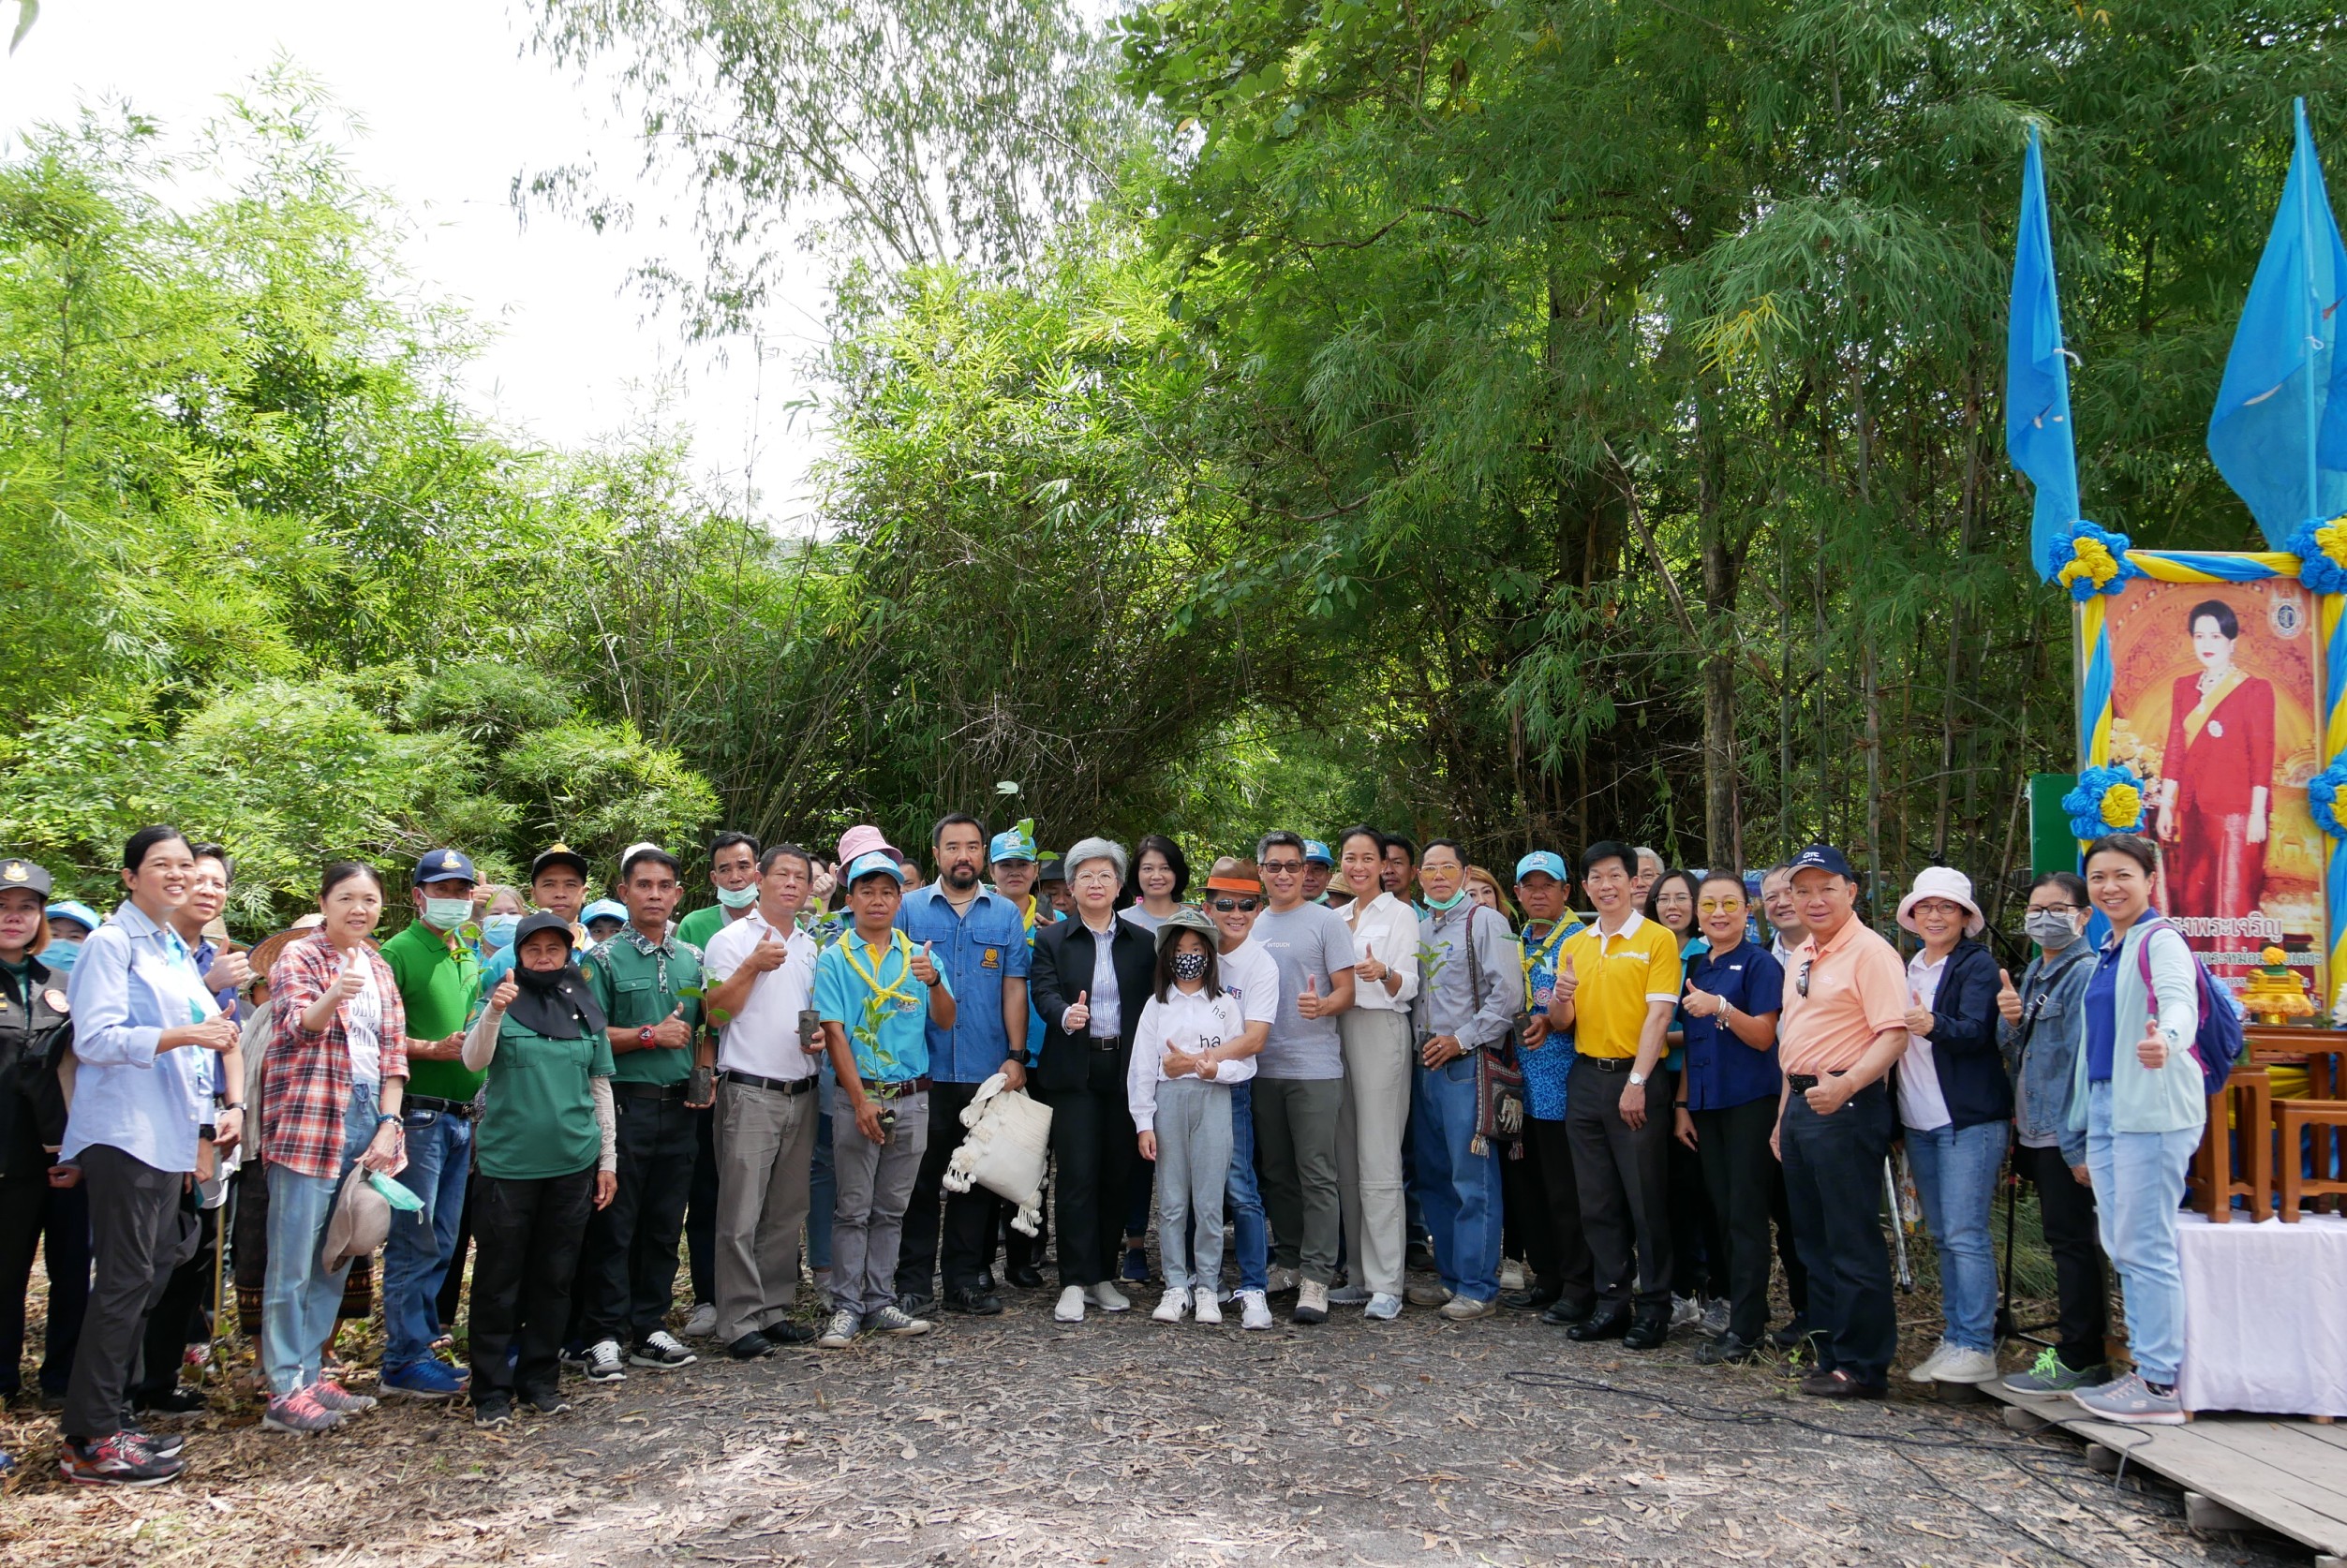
[439,980]
[649,985]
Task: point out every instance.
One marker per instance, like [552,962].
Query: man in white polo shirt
[761,971]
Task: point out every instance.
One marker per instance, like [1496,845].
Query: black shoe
[1840,1385]
[914,1304]
[1025,1277]
[1566,1315]
[1538,1296]
[1726,1349]
[170,1401]
[1790,1334]
[1419,1255]
[750,1346]
[787,1333]
[976,1303]
[1611,1322]
[550,1403]
[1648,1331]
[985,1279]
[495,1407]
[163,1445]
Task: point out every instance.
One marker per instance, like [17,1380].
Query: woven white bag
[1009,1137]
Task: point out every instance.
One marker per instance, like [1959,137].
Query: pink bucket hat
[860,839]
[1940,882]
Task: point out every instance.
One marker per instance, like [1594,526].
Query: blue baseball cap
[1823,857]
[869,862]
[1317,853]
[442,866]
[1547,861]
[71,908]
[1014,843]
[603,909]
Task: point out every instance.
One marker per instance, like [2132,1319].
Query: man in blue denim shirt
[980,939]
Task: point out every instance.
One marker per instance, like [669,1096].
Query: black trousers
[177,1321]
[1699,1246]
[530,1233]
[1740,1176]
[1833,1176]
[628,1269]
[967,1218]
[138,1232]
[1542,1195]
[701,1208]
[56,1221]
[1093,1140]
[2066,1204]
[1624,1175]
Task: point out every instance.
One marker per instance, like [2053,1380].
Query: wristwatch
[644,1037]
[1637,1077]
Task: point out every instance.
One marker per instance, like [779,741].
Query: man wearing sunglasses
[1300,1077]
[1234,895]
[1843,1028]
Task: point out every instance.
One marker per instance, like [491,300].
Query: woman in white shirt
[1377,1062]
[1188,1050]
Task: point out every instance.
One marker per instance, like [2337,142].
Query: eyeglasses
[1720,906]
[1244,906]
[1282,867]
[2056,909]
[1801,981]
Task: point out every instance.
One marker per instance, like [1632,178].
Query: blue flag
[2279,433]
[2037,434]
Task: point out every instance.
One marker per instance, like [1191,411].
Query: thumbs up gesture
[2008,999]
[924,966]
[767,955]
[1310,1002]
[1369,968]
[1699,1005]
[1079,1014]
[2152,1049]
[1567,984]
[502,997]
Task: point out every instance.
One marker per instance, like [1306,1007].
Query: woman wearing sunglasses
[1376,1109]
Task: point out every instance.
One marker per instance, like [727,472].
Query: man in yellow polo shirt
[1617,985]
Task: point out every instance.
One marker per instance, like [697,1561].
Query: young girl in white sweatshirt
[1188,1050]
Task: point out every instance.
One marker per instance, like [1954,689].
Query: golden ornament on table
[2274,992]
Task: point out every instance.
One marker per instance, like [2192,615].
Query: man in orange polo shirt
[1843,1027]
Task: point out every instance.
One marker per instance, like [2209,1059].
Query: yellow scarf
[893,991]
[2199,716]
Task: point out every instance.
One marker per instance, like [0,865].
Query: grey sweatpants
[1369,1133]
[875,1183]
[765,1153]
[1294,1135]
[1194,1137]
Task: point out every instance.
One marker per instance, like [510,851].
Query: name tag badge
[2217,728]
[907,1004]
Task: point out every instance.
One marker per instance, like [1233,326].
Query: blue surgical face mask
[447,914]
[498,930]
[59,955]
[737,897]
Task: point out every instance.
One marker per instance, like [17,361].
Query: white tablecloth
[2264,1315]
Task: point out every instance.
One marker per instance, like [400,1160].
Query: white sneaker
[703,1323]
[1927,1369]
[841,1331]
[1348,1295]
[1466,1309]
[1382,1308]
[1169,1306]
[1511,1275]
[1203,1305]
[1279,1281]
[1312,1303]
[603,1363]
[1966,1365]
[1071,1306]
[1109,1299]
[1686,1312]
[893,1319]
[1255,1311]
[660,1352]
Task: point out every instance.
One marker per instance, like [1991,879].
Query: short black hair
[142,843]
[2135,845]
[1397,841]
[781,852]
[1605,850]
[219,852]
[2069,881]
[1163,982]
[1361,830]
[954,819]
[725,841]
[1718,874]
[1280,837]
[340,871]
[1452,844]
[1175,859]
[658,857]
[2228,623]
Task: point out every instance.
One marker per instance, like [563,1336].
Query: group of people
[1325,1067]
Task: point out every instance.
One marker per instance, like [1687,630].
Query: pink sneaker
[334,1396]
[300,1413]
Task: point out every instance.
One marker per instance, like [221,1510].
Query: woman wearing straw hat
[1956,1105]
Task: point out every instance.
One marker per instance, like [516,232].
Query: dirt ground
[1014,1440]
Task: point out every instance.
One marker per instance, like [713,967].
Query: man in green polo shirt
[649,985]
[439,980]
[733,871]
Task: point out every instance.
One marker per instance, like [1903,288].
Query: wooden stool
[2324,1117]
[2248,1096]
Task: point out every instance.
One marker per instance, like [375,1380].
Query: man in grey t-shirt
[1299,1076]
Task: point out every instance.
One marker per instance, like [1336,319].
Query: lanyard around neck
[901,946]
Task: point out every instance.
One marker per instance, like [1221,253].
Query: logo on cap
[14,871]
[449,858]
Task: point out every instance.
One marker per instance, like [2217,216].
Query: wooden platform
[2236,1471]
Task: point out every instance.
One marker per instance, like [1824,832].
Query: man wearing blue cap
[1319,865]
[1540,1186]
[439,980]
[978,934]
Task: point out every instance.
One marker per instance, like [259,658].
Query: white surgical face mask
[447,914]
[737,897]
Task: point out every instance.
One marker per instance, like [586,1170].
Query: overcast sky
[453,105]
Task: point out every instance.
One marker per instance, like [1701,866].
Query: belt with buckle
[896,1088]
[648,1091]
[461,1109]
[1610,1064]
[779,1086]
[1110,1042]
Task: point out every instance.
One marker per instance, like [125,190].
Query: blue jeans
[1459,1187]
[1955,1175]
[416,1258]
[1250,1241]
[299,1296]
[823,1192]
[2138,1187]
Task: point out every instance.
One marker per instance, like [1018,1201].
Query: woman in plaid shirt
[330,1088]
